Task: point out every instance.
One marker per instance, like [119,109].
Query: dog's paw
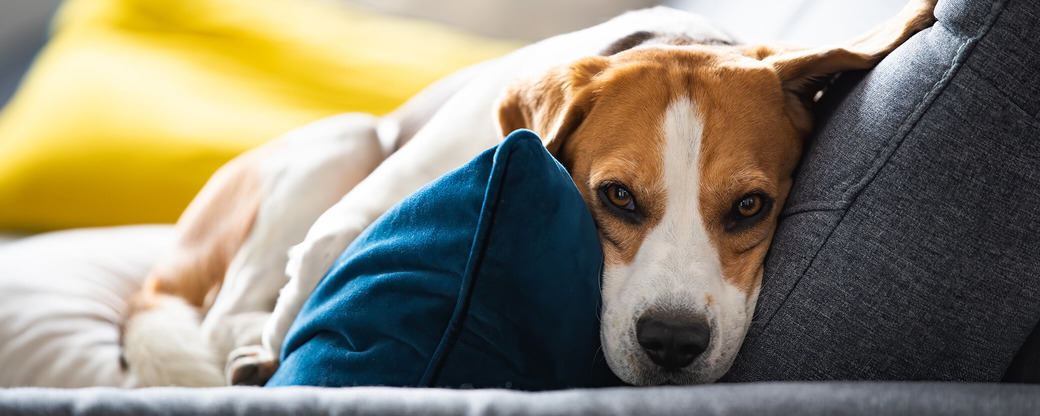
[251,365]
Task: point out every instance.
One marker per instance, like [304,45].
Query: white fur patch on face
[676,272]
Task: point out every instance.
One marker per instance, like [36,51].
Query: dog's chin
[632,365]
[656,376]
[640,371]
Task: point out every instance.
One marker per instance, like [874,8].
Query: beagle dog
[682,142]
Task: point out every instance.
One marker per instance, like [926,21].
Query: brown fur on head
[690,134]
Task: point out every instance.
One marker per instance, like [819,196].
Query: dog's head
[685,156]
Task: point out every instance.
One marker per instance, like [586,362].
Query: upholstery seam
[962,55]
[813,206]
[999,91]
[469,278]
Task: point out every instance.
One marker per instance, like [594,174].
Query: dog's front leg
[430,154]
[303,173]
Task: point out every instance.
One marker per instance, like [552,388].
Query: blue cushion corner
[486,277]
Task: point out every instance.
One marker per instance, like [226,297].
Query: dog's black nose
[672,343]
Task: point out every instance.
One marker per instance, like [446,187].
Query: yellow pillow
[134,103]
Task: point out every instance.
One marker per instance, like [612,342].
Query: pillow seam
[476,256]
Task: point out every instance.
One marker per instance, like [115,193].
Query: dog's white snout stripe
[676,273]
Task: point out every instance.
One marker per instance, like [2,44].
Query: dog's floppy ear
[803,72]
[552,105]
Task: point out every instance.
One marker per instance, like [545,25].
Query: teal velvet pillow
[486,277]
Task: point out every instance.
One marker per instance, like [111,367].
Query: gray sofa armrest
[733,399]
[908,246]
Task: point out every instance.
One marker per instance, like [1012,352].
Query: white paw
[250,365]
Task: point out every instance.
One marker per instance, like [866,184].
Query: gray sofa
[906,258]
[818,398]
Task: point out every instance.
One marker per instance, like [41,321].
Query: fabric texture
[908,246]
[133,104]
[63,296]
[486,277]
[759,399]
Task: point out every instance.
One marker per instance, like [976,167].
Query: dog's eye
[749,205]
[620,197]
[620,202]
[747,211]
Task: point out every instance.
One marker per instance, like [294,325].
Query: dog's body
[682,144]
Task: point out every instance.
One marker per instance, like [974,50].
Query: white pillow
[62,297]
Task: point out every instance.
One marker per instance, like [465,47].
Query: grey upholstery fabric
[23,31]
[910,245]
[745,399]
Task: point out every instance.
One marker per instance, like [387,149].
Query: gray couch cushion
[908,248]
[745,399]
